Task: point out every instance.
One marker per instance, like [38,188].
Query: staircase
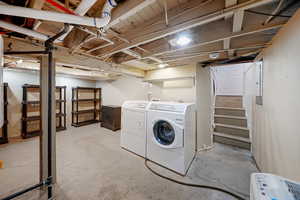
[230,122]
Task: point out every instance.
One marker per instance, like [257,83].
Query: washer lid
[167,134]
[169,106]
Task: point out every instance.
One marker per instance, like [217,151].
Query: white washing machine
[133,128]
[171,135]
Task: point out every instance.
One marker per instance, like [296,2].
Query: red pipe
[57,5]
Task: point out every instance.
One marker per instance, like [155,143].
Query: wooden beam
[200,14]
[63,55]
[258,46]
[128,9]
[37,4]
[238,18]
[206,38]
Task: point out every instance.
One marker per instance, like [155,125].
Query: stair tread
[229,108]
[230,116]
[231,126]
[232,137]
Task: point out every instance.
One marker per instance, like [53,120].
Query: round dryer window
[164,132]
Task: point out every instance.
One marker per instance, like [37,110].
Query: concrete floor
[92,166]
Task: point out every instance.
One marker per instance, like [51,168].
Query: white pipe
[85,5]
[275,11]
[155,59]
[81,10]
[59,17]
[98,47]
[24,31]
[132,53]
[1,81]
[96,35]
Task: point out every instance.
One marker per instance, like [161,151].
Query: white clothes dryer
[133,127]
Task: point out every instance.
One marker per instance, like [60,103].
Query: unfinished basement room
[149,99]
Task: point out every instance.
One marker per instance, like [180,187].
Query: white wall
[276,135]
[229,79]
[124,88]
[204,107]
[15,82]
[130,88]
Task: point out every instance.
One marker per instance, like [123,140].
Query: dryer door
[167,134]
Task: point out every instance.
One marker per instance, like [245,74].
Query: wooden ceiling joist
[207,38]
[63,55]
[196,17]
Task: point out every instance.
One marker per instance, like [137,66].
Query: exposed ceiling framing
[138,36]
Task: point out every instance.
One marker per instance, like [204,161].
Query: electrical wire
[194,185]
[267,14]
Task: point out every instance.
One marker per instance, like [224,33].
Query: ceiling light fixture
[214,55]
[162,65]
[183,40]
[19,61]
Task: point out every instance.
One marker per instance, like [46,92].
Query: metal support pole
[48,118]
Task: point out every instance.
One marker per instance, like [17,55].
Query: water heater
[1,82]
[271,187]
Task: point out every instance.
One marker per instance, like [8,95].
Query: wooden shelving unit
[31,110]
[86,106]
[3,134]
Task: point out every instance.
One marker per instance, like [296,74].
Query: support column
[48,119]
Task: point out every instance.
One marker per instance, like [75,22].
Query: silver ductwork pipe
[1,82]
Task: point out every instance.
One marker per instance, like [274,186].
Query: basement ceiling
[138,36]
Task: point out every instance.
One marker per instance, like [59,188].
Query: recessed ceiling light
[183,40]
[162,65]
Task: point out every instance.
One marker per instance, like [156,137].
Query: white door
[229,79]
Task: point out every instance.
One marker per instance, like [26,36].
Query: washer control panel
[271,187]
[179,108]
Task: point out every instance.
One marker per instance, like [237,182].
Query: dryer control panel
[272,187]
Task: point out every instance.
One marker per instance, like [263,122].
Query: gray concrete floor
[92,166]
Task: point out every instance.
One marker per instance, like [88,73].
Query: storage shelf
[74,100]
[3,133]
[85,111]
[78,108]
[86,88]
[36,118]
[60,104]
[37,86]
[88,122]
[38,102]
